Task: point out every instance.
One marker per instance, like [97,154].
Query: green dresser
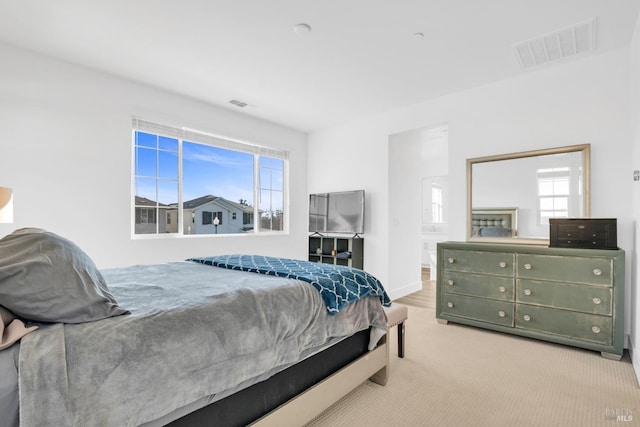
[567,296]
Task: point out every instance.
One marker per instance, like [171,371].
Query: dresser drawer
[596,231]
[571,324]
[494,287]
[496,263]
[583,298]
[582,243]
[594,271]
[485,310]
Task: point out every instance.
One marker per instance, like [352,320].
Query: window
[187,179]
[207,217]
[271,193]
[247,218]
[553,193]
[145,216]
[436,203]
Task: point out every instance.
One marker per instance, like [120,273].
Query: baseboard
[405,290]
[635,360]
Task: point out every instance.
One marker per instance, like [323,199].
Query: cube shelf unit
[330,248]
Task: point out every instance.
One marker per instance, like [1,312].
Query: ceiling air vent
[238,103]
[560,44]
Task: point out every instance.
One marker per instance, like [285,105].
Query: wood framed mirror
[510,197]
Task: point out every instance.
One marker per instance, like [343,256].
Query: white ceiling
[360,58]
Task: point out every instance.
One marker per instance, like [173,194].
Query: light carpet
[455,375]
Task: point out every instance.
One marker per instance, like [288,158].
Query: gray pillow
[47,278]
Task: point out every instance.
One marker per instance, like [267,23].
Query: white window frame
[553,175]
[186,134]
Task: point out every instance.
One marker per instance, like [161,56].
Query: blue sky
[206,170]
[216,171]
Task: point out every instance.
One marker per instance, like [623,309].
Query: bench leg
[401,339]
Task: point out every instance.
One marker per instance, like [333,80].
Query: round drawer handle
[450,260]
[502,313]
[502,264]
[527,266]
[526,317]
[450,282]
[502,289]
[595,329]
[596,300]
[450,304]
[527,292]
[597,272]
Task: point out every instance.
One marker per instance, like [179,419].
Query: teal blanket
[338,285]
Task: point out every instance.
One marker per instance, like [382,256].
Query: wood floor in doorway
[426,297]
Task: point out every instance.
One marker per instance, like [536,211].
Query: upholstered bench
[397,314]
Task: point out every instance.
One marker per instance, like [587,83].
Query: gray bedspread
[193,331]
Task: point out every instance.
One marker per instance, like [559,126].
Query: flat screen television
[338,212]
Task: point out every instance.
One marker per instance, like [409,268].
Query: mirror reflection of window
[554,191]
[436,203]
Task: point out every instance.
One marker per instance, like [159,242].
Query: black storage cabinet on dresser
[596,233]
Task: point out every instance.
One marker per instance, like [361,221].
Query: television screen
[339,212]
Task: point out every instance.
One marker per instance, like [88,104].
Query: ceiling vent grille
[561,44]
[238,103]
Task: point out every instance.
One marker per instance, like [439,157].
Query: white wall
[65,149]
[583,101]
[405,211]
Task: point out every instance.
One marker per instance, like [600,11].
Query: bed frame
[495,217]
[298,394]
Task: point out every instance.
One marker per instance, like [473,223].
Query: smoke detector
[571,41]
[302,28]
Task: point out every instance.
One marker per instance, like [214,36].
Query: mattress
[188,341]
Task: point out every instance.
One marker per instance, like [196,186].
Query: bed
[228,340]
[494,222]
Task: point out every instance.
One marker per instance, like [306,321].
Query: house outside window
[187,178]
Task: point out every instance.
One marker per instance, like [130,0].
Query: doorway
[435,194]
[416,156]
